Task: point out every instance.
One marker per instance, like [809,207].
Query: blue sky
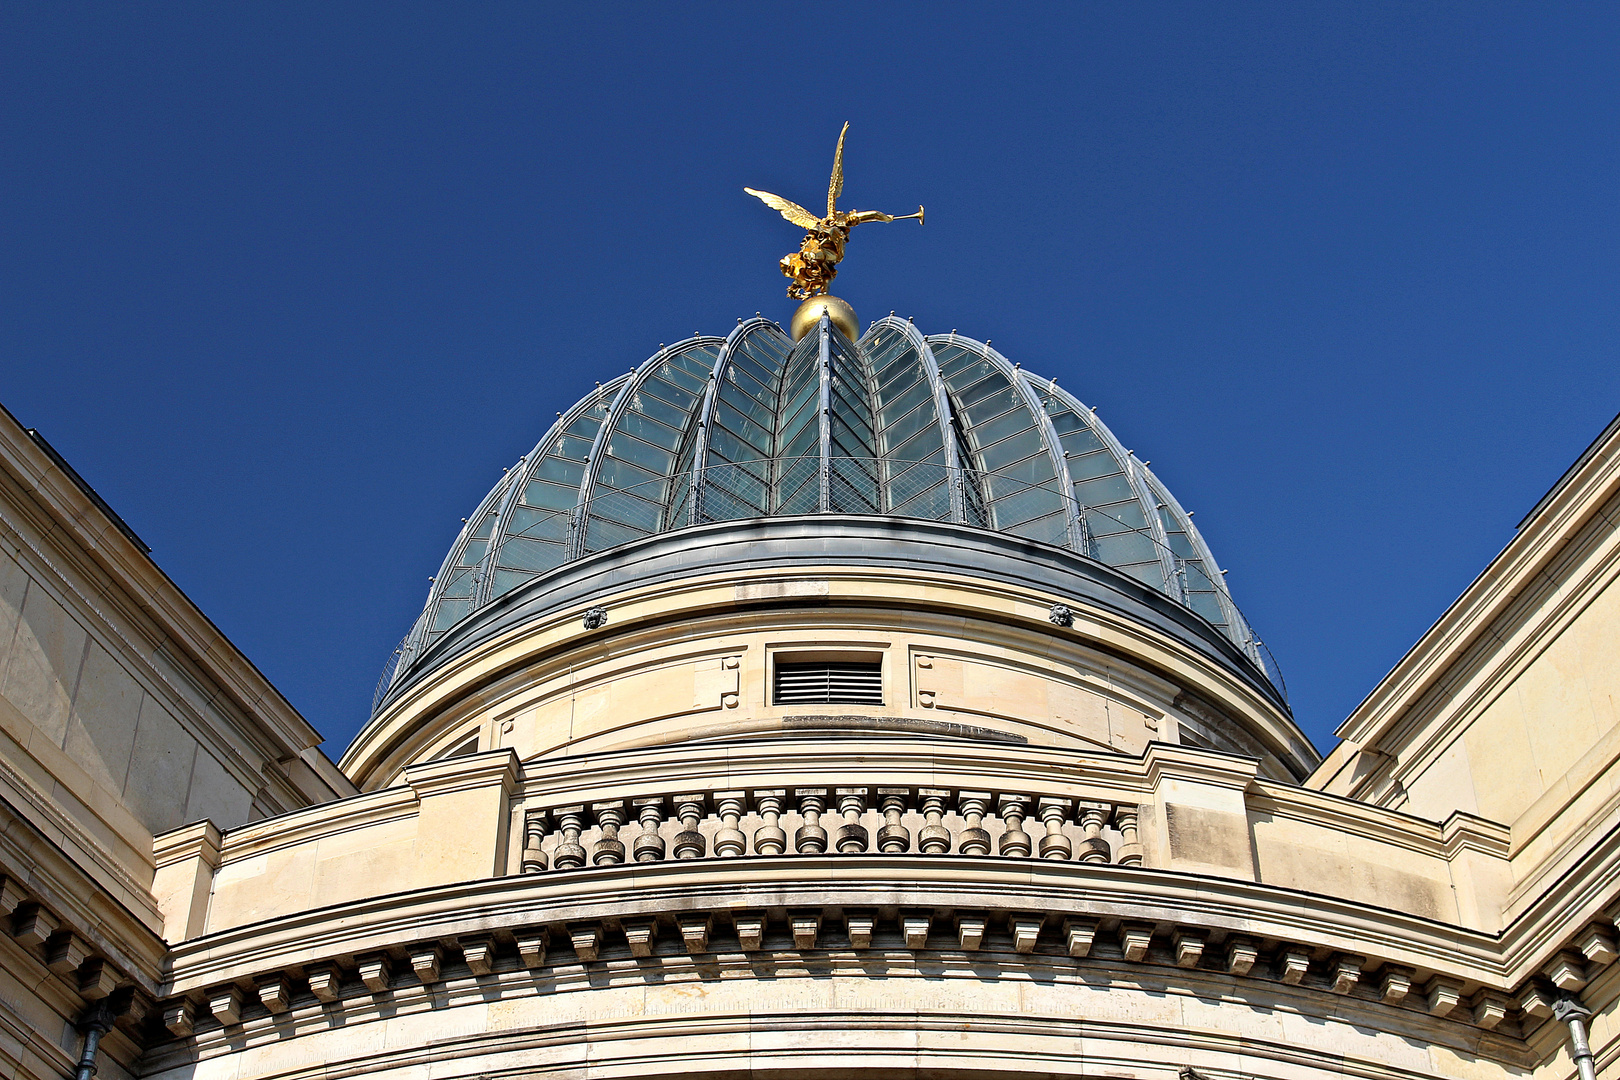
[291,284]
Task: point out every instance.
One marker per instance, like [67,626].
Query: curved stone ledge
[826,1019]
[944,885]
[697,979]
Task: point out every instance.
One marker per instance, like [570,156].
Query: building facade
[822,707]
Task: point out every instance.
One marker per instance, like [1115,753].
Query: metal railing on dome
[808,485]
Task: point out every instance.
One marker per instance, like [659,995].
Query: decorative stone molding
[858,925]
[640,934]
[1347,973]
[1567,971]
[274,991]
[1443,996]
[1395,985]
[1292,965]
[425,960]
[1078,935]
[78,964]
[1241,955]
[715,934]
[586,939]
[325,981]
[225,1004]
[750,927]
[478,953]
[376,971]
[1189,948]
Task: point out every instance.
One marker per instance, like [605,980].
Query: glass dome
[754,425]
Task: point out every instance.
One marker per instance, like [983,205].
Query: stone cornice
[941,883]
[1056,1043]
[111,924]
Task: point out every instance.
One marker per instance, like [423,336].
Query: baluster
[608,851]
[975,839]
[1015,842]
[689,843]
[1130,843]
[852,834]
[1094,849]
[534,831]
[569,855]
[1054,845]
[934,838]
[649,846]
[769,839]
[810,837]
[894,837]
[729,842]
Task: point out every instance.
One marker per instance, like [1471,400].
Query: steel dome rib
[753,425]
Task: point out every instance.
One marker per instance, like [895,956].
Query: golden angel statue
[815,264]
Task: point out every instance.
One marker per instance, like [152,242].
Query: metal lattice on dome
[753,425]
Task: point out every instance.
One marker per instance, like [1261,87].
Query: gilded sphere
[809,314]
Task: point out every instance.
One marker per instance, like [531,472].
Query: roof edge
[115,548]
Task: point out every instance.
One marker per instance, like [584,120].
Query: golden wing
[790,210]
[836,187]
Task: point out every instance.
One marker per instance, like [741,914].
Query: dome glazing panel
[942,428]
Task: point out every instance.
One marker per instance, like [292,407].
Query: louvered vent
[829,682]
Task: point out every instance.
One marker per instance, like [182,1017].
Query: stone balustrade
[832,819]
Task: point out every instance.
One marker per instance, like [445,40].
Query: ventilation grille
[829,682]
